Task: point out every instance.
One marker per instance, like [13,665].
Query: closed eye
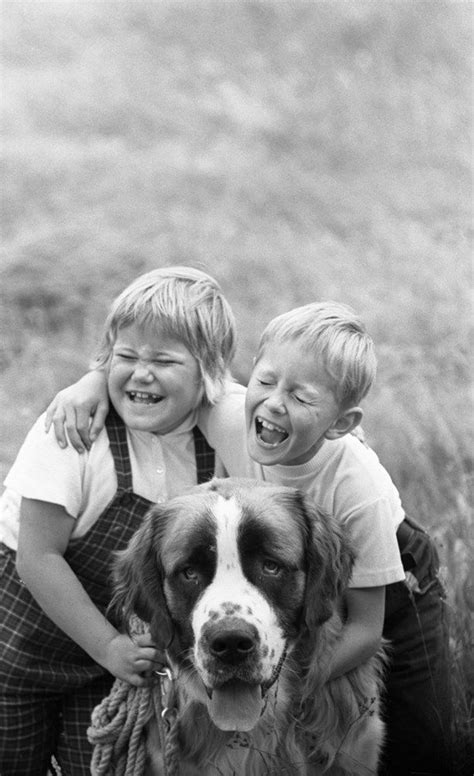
[300,399]
[304,400]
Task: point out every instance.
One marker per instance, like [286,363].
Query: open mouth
[143,397]
[269,433]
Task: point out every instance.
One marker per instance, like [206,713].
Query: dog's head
[229,577]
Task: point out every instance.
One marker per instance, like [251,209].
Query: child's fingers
[98,421]
[60,433]
[154,658]
[48,418]
[70,424]
[143,640]
[141,672]
[137,680]
[149,651]
[143,664]
[81,428]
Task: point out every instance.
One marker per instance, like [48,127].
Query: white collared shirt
[84,484]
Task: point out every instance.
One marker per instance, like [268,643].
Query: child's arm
[45,531]
[73,409]
[362,631]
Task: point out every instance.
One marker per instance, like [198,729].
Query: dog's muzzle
[232,642]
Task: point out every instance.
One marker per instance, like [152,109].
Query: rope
[117,731]
[170,741]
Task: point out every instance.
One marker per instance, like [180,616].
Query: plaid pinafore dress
[44,675]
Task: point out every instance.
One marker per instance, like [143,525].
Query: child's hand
[73,409]
[132,660]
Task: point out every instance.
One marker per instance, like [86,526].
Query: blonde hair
[186,304]
[334,332]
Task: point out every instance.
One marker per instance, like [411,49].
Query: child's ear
[344,423]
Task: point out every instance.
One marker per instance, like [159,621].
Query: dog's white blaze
[230,586]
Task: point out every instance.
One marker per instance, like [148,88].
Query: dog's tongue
[236,706]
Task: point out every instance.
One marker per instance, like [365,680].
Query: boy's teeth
[269,433]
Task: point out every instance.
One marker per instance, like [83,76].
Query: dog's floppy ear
[329,564]
[138,581]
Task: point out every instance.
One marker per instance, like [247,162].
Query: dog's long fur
[241,583]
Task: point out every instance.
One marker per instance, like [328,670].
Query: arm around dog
[45,530]
[362,632]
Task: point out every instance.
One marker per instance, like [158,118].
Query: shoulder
[354,457]
[42,448]
[223,425]
[227,413]
[44,471]
[348,477]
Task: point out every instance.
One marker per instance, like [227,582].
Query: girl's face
[154,382]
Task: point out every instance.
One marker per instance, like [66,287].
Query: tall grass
[296,151]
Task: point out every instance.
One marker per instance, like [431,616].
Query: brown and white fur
[241,583]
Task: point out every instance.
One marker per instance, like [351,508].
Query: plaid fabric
[48,684]
[35,723]
[205,457]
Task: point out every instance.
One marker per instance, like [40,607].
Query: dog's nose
[233,644]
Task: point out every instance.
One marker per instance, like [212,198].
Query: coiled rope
[118,724]
[117,730]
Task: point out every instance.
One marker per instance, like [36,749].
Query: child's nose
[143,373]
[275,402]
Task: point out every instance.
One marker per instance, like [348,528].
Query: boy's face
[154,382]
[290,405]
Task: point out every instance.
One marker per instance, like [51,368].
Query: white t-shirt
[345,479]
[162,467]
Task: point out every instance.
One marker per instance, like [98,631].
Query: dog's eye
[271,567]
[190,574]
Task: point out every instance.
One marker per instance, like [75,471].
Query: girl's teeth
[144,398]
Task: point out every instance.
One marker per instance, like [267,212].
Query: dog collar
[276,672]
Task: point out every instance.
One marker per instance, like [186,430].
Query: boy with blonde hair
[314,366]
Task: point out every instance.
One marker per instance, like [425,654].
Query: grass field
[296,151]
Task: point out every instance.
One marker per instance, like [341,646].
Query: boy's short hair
[334,332]
[187,304]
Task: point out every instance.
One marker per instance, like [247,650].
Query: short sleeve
[371,531]
[44,471]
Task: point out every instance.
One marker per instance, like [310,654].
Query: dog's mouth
[269,433]
[235,705]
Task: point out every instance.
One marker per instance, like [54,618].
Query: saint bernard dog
[242,587]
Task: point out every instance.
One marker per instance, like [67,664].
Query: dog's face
[228,577]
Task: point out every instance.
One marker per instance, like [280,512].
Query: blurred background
[294,150]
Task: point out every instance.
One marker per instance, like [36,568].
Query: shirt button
[160,500]
[159,470]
